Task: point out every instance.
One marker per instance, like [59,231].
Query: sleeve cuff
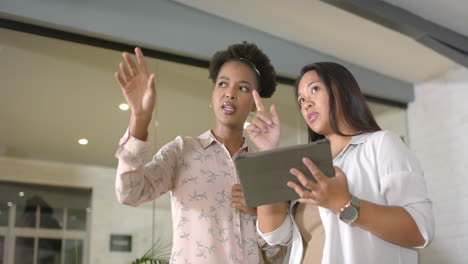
[424,221]
[282,235]
[132,145]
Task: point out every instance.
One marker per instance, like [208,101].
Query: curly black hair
[249,54]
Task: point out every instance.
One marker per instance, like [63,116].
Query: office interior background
[57,200]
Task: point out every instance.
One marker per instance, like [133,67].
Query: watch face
[349,214]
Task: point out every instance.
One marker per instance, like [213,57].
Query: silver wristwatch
[350,213]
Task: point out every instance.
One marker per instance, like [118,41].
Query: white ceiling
[325,28]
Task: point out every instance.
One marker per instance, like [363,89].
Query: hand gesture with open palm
[137,86]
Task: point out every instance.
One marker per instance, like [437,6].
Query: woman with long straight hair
[375,209]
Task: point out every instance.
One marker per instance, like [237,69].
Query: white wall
[438,129]
[107,215]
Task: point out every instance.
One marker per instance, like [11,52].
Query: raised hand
[137,86]
[331,193]
[238,200]
[264,130]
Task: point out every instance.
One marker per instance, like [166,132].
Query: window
[2,246]
[43,224]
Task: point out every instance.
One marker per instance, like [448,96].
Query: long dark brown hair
[344,92]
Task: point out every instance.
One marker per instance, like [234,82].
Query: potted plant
[159,253]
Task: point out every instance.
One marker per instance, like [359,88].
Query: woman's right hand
[137,85]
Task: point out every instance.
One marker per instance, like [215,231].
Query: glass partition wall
[54,95]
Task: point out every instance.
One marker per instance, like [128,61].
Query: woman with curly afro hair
[211,223]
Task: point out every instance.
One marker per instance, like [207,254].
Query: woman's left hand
[331,193]
[238,201]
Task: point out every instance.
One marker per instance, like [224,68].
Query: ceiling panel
[325,28]
[452,14]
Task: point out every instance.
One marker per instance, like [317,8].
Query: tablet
[264,175]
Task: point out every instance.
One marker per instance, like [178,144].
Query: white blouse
[382,170]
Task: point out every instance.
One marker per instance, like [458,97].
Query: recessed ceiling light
[246,124]
[83,141]
[9,204]
[124,107]
[21,194]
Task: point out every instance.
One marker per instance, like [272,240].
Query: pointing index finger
[258,101]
